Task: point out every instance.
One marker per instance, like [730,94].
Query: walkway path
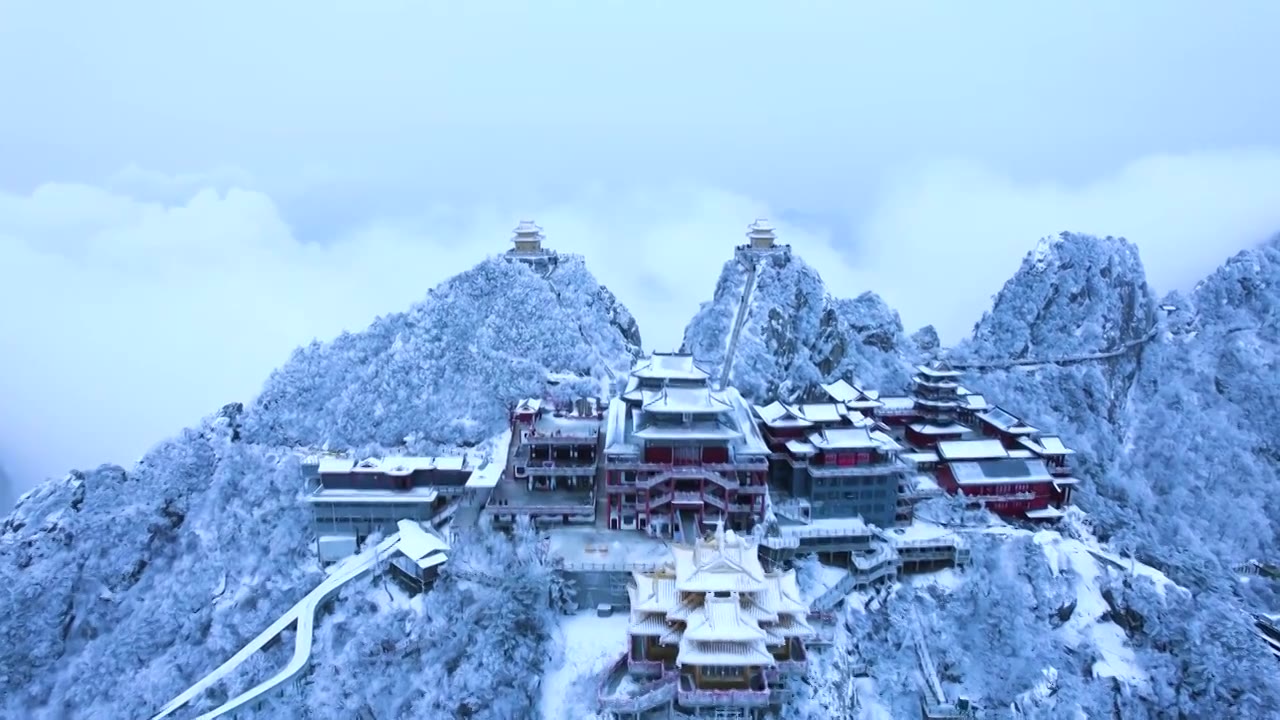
[302,613]
[1068,360]
[748,289]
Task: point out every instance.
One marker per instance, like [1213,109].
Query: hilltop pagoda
[527,239]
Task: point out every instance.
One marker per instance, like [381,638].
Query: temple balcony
[687,499]
[656,501]
[715,501]
[756,463]
[1063,470]
[559,468]
[691,696]
[670,473]
[645,668]
[785,668]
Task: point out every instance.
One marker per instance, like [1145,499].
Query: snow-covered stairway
[303,614]
[748,288]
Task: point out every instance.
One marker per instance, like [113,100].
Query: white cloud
[940,242]
[131,314]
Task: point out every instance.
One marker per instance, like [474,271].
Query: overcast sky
[190,190]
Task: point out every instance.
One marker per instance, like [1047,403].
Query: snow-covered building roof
[778,415]
[682,400]
[1046,445]
[851,396]
[923,456]
[722,619]
[938,369]
[420,546]
[897,404]
[843,439]
[985,449]
[930,429]
[716,603]
[615,429]
[393,465]
[752,442]
[528,406]
[687,431]
[1006,422]
[987,472]
[726,563]
[975,402]
[761,232]
[669,366]
[800,447]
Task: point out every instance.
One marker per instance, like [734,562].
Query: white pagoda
[717,623]
[526,245]
[760,235]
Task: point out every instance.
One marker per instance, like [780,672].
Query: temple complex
[955,441]
[680,455]
[715,624]
[831,461]
[553,462]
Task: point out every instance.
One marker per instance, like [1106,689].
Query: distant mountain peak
[445,371]
[1073,294]
[793,334]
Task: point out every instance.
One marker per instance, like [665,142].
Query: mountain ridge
[124,582]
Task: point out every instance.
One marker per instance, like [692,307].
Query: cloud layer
[134,308]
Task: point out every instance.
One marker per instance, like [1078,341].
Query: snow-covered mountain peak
[792,333]
[446,371]
[1074,294]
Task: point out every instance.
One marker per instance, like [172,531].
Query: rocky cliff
[795,335]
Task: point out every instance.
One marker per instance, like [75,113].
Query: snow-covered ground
[588,646]
[1116,658]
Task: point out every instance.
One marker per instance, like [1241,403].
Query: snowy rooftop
[843,439]
[389,465]
[752,442]
[567,425]
[898,403]
[615,431]
[984,472]
[921,534]
[374,496]
[687,431]
[527,230]
[528,405]
[775,414]
[730,654]
[851,396]
[682,400]
[1046,445]
[488,474]
[938,369]
[721,619]
[625,424]
[1006,422]
[728,562]
[927,456]
[417,543]
[949,429]
[800,447]
[986,449]
[826,527]
[669,366]
[976,402]
[761,228]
